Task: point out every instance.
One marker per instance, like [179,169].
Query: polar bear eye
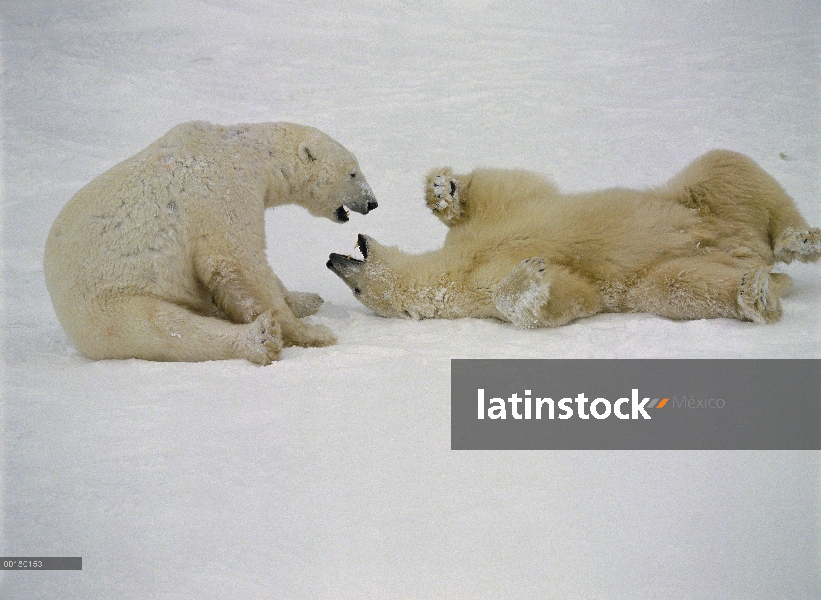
[356,290]
[353,175]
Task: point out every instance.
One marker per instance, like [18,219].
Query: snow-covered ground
[329,473]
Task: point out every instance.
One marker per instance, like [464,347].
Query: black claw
[452,187]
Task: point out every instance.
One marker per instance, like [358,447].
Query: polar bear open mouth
[342,214]
[342,259]
[362,244]
[348,268]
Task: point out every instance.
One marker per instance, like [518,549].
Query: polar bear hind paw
[803,245]
[262,342]
[522,294]
[442,196]
[756,299]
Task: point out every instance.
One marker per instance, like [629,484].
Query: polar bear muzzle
[358,198]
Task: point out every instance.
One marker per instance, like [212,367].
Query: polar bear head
[383,281]
[334,183]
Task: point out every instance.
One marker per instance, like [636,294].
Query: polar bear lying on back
[518,250]
[162,257]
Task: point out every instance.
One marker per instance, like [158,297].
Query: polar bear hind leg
[801,244]
[751,204]
[154,329]
[709,287]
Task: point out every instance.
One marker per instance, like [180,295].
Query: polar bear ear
[306,153]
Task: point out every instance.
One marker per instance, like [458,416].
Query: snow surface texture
[329,474]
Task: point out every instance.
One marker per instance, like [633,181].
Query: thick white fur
[162,257]
[519,250]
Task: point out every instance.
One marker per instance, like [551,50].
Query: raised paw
[756,300]
[803,245]
[522,294]
[442,195]
[262,342]
[303,304]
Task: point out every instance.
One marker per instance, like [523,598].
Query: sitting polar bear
[518,250]
[162,257]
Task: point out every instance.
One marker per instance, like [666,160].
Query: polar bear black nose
[372,204]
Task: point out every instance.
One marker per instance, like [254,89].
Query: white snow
[329,473]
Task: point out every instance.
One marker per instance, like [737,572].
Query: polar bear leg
[706,288]
[302,304]
[758,298]
[297,333]
[805,245]
[243,292]
[154,329]
[736,191]
[534,294]
[490,195]
[239,293]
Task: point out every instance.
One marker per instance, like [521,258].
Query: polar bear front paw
[521,295]
[308,335]
[321,336]
[262,342]
[442,196]
[756,300]
[803,245]
[303,304]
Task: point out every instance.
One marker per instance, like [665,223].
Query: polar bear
[162,257]
[518,250]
